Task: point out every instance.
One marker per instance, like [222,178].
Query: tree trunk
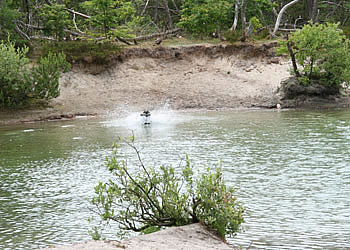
[235,21]
[170,21]
[156,12]
[314,16]
[292,56]
[280,14]
[308,9]
[244,21]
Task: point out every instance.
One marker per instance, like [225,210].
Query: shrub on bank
[144,199]
[320,54]
[20,84]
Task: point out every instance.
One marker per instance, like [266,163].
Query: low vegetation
[76,51]
[145,199]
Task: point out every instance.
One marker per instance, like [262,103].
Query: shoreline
[185,78]
[192,236]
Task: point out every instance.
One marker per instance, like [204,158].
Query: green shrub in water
[143,199]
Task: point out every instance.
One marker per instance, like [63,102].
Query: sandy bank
[192,77]
[190,237]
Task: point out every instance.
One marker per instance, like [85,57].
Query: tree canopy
[69,19]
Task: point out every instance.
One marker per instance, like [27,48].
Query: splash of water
[161,117]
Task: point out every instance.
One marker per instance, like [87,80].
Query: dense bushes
[206,17]
[76,51]
[145,199]
[19,84]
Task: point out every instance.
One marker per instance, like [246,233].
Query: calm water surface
[292,171]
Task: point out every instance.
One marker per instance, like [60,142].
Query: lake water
[291,168]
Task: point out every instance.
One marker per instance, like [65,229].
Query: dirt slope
[192,77]
[190,237]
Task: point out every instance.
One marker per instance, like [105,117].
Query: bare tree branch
[21,33]
[335,4]
[144,9]
[78,13]
[280,14]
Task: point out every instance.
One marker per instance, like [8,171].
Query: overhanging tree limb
[78,13]
[280,14]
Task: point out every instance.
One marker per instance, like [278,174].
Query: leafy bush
[346,31]
[76,51]
[233,36]
[13,72]
[203,17]
[110,14]
[45,76]
[56,19]
[143,199]
[322,52]
[8,16]
[19,84]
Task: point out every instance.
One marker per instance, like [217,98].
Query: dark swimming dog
[146,117]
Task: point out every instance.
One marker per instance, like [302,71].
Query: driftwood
[148,37]
[118,38]
[78,13]
[43,28]
[287,30]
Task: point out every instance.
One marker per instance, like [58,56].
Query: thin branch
[335,4]
[75,24]
[161,34]
[122,40]
[280,14]
[78,13]
[144,9]
[21,33]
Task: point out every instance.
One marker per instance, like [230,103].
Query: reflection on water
[292,170]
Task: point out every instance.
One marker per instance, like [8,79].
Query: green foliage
[143,198]
[95,233]
[151,229]
[45,76]
[255,22]
[259,10]
[19,84]
[346,31]
[8,15]
[75,51]
[262,34]
[233,36]
[203,17]
[323,53]
[56,19]
[110,14]
[13,86]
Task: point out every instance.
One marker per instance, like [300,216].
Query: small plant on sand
[144,199]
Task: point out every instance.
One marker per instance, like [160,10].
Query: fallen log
[155,35]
